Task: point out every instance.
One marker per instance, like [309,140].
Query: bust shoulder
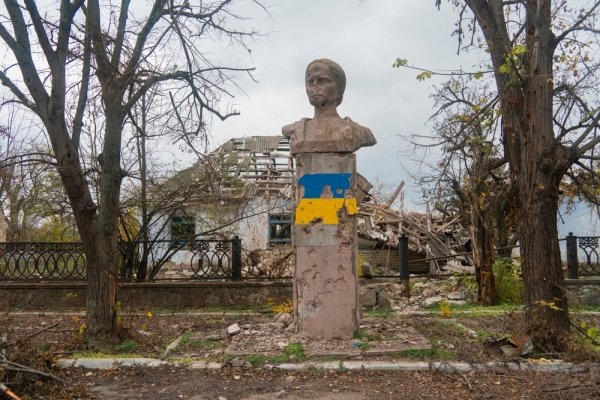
[294,130]
[362,135]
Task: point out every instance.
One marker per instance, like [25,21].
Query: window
[280,229]
[183,228]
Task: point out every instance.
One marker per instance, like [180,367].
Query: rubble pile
[424,293]
[274,262]
[430,234]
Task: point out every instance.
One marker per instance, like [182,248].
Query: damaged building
[244,188]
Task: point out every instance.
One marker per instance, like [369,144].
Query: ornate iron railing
[582,255]
[199,259]
[41,261]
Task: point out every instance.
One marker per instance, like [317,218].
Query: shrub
[509,286]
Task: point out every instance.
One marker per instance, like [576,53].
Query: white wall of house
[249,220]
[254,230]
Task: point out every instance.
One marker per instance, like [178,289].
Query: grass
[362,335]
[379,312]
[125,346]
[187,340]
[292,352]
[89,354]
[583,308]
[433,354]
[474,310]
[315,371]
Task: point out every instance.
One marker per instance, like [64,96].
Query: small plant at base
[81,329]
[296,350]
[363,345]
[315,371]
[591,334]
[275,307]
[256,359]
[509,286]
[125,346]
[445,309]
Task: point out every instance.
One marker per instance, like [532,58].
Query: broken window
[280,229]
[183,228]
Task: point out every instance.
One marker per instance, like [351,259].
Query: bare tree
[468,180]
[62,54]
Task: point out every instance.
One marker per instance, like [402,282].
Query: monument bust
[326,132]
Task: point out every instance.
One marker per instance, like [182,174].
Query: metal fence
[202,259]
[582,256]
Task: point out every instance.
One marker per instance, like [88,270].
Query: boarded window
[183,228]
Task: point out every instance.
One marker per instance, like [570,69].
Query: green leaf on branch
[477,75]
[400,62]
[519,49]
[424,75]
[505,68]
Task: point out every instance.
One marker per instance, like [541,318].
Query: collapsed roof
[248,167]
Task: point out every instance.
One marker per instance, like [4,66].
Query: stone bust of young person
[326,132]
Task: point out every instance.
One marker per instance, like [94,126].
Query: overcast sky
[364,37]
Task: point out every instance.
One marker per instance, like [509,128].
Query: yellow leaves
[149,314]
[286,306]
[518,49]
[445,309]
[424,75]
[550,304]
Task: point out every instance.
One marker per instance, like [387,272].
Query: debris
[283,318]
[12,366]
[233,329]
[172,346]
[432,235]
[6,391]
[456,296]
[511,346]
[431,301]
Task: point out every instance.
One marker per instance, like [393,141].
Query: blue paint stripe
[314,184]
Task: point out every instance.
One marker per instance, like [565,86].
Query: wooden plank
[395,194]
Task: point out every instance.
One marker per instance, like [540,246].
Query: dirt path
[261,384]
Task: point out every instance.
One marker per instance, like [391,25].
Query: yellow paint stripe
[326,210]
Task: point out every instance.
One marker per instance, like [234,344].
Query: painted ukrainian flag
[324,195]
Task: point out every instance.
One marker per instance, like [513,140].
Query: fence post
[236,259]
[572,261]
[404,275]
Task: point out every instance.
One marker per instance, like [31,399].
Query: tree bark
[483,256]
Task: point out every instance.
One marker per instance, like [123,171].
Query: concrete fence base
[64,296]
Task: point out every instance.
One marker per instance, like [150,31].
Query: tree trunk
[101,259]
[483,257]
[101,298]
[536,163]
[542,167]
[544,296]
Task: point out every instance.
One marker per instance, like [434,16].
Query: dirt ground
[38,340]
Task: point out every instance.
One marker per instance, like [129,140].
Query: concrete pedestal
[326,296]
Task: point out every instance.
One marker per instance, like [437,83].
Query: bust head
[325,83]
